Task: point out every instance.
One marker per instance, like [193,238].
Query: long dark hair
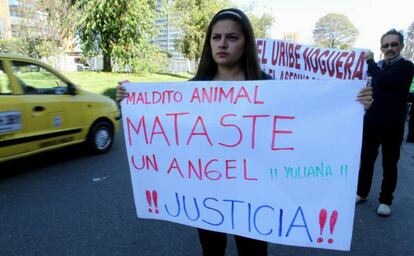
[249,60]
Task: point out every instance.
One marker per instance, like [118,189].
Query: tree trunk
[107,66]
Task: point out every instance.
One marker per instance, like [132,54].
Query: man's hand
[369,55]
[365,97]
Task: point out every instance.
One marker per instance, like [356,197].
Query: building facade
[291,36]
[5,24]
[166,39]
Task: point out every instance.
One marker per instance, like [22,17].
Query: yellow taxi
[41,110]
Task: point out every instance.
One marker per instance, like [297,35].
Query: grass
[38,79]
[105,82]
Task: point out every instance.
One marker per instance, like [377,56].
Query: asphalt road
[71,203]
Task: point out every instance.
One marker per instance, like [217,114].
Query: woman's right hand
[121,93]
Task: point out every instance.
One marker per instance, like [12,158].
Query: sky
[371,17]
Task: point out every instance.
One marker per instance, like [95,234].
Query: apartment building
[291,36]
[5,24]
[166,39]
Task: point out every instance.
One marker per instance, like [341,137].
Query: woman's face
[227,43]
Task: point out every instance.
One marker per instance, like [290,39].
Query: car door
[54,114]
[14,124]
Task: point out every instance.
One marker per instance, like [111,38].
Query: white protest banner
[271,160]
[286,60]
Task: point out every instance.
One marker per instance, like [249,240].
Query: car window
[4,82]
[35,79]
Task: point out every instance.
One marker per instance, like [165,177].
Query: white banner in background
[270,160]
[287,60]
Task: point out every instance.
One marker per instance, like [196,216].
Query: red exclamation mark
[148,193]
[323,214]
[332,223]
[155,197]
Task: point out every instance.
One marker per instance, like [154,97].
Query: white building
[166,39]
[5,26]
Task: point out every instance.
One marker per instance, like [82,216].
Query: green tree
[43,28]
[409,43]
[335,31]
[61,21]
[193,17]
[32,34]
[261,25]
[16,46]
[119,29]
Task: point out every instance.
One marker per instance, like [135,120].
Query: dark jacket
[391,85]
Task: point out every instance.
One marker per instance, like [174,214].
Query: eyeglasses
[393,44]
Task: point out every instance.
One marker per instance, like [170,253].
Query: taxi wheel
[100,137]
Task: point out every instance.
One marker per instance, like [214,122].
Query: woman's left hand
[365,97]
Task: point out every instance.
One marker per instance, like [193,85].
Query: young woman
[229,54]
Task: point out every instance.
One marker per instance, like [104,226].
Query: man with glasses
[384,121]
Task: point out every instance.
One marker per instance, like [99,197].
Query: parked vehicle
[82,67]
[41,110]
